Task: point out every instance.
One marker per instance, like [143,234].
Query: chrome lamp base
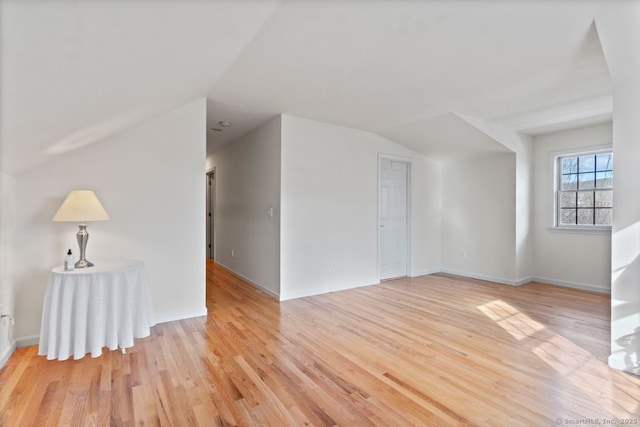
[83,238]
[83,263]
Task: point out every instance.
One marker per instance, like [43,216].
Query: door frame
[408,161]
[210,207]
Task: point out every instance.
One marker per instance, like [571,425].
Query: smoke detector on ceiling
[221,125]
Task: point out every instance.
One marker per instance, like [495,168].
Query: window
[585,190]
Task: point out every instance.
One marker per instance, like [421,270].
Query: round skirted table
[84,310]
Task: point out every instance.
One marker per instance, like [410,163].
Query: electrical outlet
[233,253]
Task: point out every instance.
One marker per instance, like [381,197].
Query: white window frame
[554,158]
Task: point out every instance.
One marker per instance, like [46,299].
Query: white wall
[618,28]
[247,185]
[569,258]
[426,212]
[150,181]
[478,229]
[7,225]
[524,208]
[521,145]
[329,208]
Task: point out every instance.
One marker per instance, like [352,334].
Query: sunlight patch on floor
[516,323]
[562,355]
[588,375]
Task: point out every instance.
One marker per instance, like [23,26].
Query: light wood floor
[435,350]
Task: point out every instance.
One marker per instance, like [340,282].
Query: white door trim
[211,208]
[408,161]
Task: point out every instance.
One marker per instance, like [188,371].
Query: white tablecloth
[87,309]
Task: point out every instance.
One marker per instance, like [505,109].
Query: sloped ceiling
[444,138]
[402,68]
[74,72]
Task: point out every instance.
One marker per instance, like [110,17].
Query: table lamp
[81,206]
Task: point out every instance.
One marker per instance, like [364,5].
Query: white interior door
[392,214]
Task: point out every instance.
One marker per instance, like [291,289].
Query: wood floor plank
[434,350]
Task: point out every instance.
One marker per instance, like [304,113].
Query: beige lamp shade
[81,206]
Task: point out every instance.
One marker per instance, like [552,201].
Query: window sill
[581,230]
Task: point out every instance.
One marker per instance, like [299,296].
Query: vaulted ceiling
[75,72]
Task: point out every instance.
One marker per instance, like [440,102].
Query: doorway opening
[211,214]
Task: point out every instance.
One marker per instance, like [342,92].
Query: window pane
[584,195]
[604,198]
[568,217]
[586,181]
[585,216]
[604,162]
[604,179]
[585,199]
[587,163]
[569,182]
[568,199]
[603,216]
[570,165]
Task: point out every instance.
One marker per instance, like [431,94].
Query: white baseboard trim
[27,341]
[519,282]
[425,272]
[7,354]
[251,282]
[524,281]
[481,277]
[175,318]
[313,292]
[573,285]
